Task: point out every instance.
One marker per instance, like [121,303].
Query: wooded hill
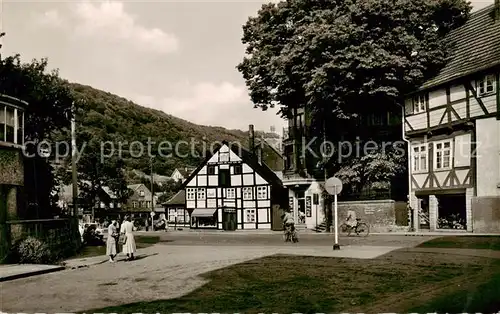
[113,118]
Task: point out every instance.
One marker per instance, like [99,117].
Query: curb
[32,273]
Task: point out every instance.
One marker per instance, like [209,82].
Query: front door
[229,219]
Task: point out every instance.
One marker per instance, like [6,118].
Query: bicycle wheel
[295,237]
[363,229]
[345,229]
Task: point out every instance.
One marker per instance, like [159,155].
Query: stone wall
[11,166]
[379,214]
[486,214]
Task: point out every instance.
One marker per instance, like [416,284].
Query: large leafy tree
[333,55]
[342,59]
[49,110]
[96,170]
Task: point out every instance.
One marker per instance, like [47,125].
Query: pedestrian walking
[111,249]
[129,247]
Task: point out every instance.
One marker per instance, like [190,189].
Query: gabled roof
[476,48]
[178,199]
[134,187]
[262,169]
[108,191]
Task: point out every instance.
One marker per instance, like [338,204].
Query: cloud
[110,22]
[224,104]
[50,18]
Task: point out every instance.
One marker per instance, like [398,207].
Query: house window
[148,204]
[250,215]
[134,204]
[486,85]
[237,169]
[419,103]
[141,193]
[419,158]
[247,193]
[211,169]
[230,193]
[262,192]
[442,155]
[190,196]
[224,178]
[224,156]
[201,194]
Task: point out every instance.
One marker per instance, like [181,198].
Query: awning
[203,212]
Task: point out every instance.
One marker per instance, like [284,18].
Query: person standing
[129,247]
[111,241]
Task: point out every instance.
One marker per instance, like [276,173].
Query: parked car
[160,225]
[92,235]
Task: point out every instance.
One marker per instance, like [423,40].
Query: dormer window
[141,193]
[485,85]
[419,103]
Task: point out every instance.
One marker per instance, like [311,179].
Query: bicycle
[360,228]
[291,235]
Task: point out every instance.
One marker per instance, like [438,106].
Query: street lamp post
[152,195]
[73,160]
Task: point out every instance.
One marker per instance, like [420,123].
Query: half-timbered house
[453,125]
[234,189]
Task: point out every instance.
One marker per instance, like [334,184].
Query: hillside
[113,118]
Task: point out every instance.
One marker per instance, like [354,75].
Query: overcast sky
[179,57]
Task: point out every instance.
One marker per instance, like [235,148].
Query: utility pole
[152,195]
[74,150]
[325,174]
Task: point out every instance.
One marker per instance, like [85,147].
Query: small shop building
[175,210]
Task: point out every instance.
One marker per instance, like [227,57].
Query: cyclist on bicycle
[351,220]
[288,221]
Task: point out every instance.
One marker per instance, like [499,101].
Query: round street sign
[333,186]
[152,214]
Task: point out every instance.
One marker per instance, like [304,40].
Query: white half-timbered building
[453,125]
[232,189]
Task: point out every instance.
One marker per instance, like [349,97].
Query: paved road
[306,239]
[171,269]
[161,272]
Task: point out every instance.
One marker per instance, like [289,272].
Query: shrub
[34,251]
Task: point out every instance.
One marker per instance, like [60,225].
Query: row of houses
[451,125]
[452,128]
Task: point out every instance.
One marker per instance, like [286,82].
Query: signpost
[152,220]
[334,186]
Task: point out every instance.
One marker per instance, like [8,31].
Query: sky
[176,56]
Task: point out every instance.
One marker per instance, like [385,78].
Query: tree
[371,171]
[339,59]
[170,188]
[96,171]
[334,55]
[49,108]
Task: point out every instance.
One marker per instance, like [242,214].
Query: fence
[62,236]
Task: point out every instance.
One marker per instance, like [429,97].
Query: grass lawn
[140,241]
[401,281]
[464,242]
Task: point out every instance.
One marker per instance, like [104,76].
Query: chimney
[259,150]
[251,139]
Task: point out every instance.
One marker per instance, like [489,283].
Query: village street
[170,268]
